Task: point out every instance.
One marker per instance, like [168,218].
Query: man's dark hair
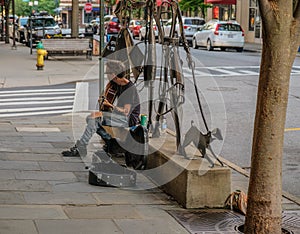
[117,67]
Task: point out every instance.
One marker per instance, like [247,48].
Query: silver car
[220,34]
[190,25]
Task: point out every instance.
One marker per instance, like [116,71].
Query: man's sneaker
[73,152]
[76,151]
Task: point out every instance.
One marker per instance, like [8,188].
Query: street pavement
[43,192]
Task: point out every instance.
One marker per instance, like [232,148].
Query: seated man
[124,114]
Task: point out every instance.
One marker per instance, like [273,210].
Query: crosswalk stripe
[222,70]
[34,113]
[36,109]
[36,91]
[35,103]
[36,98]
[32,94]
[247,72]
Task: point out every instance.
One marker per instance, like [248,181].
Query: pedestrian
[124,114]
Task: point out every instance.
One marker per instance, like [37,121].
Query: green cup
[144,120]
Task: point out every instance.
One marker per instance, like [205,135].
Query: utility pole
[101,45]
[75,12]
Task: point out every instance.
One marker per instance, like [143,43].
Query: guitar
[110,94]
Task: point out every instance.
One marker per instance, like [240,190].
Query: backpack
[237,201]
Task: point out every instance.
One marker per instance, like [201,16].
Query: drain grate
[225,221]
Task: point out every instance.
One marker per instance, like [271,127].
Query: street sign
[88,7]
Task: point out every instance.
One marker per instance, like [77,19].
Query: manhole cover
[226,221]
[221,89]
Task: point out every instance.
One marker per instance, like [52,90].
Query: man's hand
[107,103]
[96,114]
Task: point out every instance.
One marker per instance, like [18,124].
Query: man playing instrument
[124,114]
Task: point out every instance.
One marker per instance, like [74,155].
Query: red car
[112,26]
[134,27]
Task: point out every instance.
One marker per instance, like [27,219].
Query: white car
[142,31]
[220,34]
[190,26]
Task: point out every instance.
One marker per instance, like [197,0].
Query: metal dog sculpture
[201,141]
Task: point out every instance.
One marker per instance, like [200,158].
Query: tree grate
[219,221]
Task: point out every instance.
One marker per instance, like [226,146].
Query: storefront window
[253,12]
[251,18]
[253,3]
[226,12]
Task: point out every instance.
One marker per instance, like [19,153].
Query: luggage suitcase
[111,174]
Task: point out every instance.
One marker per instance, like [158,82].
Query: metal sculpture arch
[171,89]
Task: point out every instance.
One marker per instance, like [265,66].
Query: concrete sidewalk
[43,192]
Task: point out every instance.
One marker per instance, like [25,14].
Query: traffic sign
[88,7]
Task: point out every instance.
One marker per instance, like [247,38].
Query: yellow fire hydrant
[41,52]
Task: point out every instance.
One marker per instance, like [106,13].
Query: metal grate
[225,221]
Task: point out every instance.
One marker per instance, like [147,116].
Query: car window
[107,19]
[139,23]
[193,21]
[115,19]
[208,27]
[23,21]
[234,27]
[43,22]
[229,27]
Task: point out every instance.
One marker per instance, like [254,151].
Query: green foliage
[23,8]
[194,6]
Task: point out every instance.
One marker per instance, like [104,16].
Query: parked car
[43,26]
[93,26]
[111,24]
[134,27]
[220,34]
[190,26]
[142,31]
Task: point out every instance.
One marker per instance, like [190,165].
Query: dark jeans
[94,125]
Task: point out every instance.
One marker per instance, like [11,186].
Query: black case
[111,174]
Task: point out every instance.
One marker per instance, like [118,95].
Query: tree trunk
[280,43]
[6,7]
[74,23]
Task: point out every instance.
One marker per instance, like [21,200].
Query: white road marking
[36,109]
[34,113]
[35,103]
[36,91]
[15,103]
[33,94]
[36,98]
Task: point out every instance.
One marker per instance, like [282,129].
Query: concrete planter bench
[192,183]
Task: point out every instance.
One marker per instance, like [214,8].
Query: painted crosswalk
[222,71]
[230,71]
[46,100]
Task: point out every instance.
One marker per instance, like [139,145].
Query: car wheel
[208,45]
[240,49]
[194,43]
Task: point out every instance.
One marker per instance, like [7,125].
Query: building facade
[245,12]
[84,17]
